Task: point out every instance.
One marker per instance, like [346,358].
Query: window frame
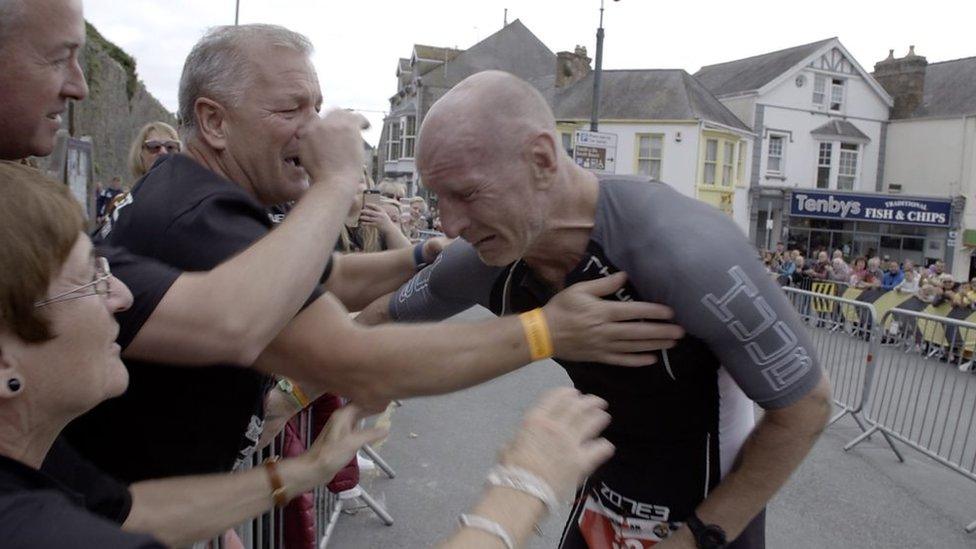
[393,140]
[714,162]
[784,138]
[650,158]
[728,164]
[820,164]
[407,140]
[834,83]
[856,153]
[822,79]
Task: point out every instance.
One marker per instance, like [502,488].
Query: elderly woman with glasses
[58,359]
[154,140]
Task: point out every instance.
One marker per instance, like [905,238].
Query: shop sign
[879,208]
[596,151]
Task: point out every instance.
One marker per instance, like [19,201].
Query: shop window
[912,244]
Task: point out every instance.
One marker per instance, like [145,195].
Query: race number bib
[605,529]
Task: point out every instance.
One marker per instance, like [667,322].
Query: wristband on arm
[537,334]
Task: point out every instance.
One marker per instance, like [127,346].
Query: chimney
[571,66]
[904,80]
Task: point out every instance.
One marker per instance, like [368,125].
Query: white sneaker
[365,464]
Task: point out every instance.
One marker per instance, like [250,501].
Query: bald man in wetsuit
[691,468]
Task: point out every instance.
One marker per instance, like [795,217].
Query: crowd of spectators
[930,284]
[124,412]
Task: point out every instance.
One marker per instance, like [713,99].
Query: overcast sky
[358,42]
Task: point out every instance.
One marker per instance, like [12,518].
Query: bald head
[10,12]
[487,117]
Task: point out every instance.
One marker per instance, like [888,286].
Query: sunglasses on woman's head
[155,146]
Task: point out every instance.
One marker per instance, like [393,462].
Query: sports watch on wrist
[707,536]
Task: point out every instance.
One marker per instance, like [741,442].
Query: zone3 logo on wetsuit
[677,425]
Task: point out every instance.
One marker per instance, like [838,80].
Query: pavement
[441,448]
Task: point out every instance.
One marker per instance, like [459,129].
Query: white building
[667,125]
[931,146]
[819,120]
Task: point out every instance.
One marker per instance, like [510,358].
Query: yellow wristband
[292,389]
[300,396]
[537,334]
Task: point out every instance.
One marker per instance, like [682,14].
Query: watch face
[713,537]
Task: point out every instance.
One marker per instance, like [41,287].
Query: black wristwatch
[707,536]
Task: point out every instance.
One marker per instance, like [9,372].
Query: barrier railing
[844,345]
[267,531]
[923,394]
[902,373]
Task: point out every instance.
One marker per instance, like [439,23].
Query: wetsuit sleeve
[456,281]
[722,295]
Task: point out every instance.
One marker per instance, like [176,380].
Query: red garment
[347,477]
[299,514]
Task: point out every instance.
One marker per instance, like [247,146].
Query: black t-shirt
[177,420]
[39,510]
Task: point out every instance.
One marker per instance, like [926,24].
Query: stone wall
[117,106]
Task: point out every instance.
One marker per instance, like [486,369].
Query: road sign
[596,151]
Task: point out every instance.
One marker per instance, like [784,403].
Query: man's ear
[543,159]
[211,123]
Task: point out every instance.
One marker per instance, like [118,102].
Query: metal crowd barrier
[907,376]
[267,531]
[844,344]
[924,395]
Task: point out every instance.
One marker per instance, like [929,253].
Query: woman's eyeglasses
[154,146]
[100,285]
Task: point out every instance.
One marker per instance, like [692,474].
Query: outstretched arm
[229,314]
[323,348]
[181,511]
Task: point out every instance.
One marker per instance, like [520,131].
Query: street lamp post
[237,12]
[598,74]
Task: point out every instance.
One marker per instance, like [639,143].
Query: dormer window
[836,94]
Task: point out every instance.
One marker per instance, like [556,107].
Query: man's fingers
[637,310]
[641,345]
[631,331]
[630,360]
[602,286]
